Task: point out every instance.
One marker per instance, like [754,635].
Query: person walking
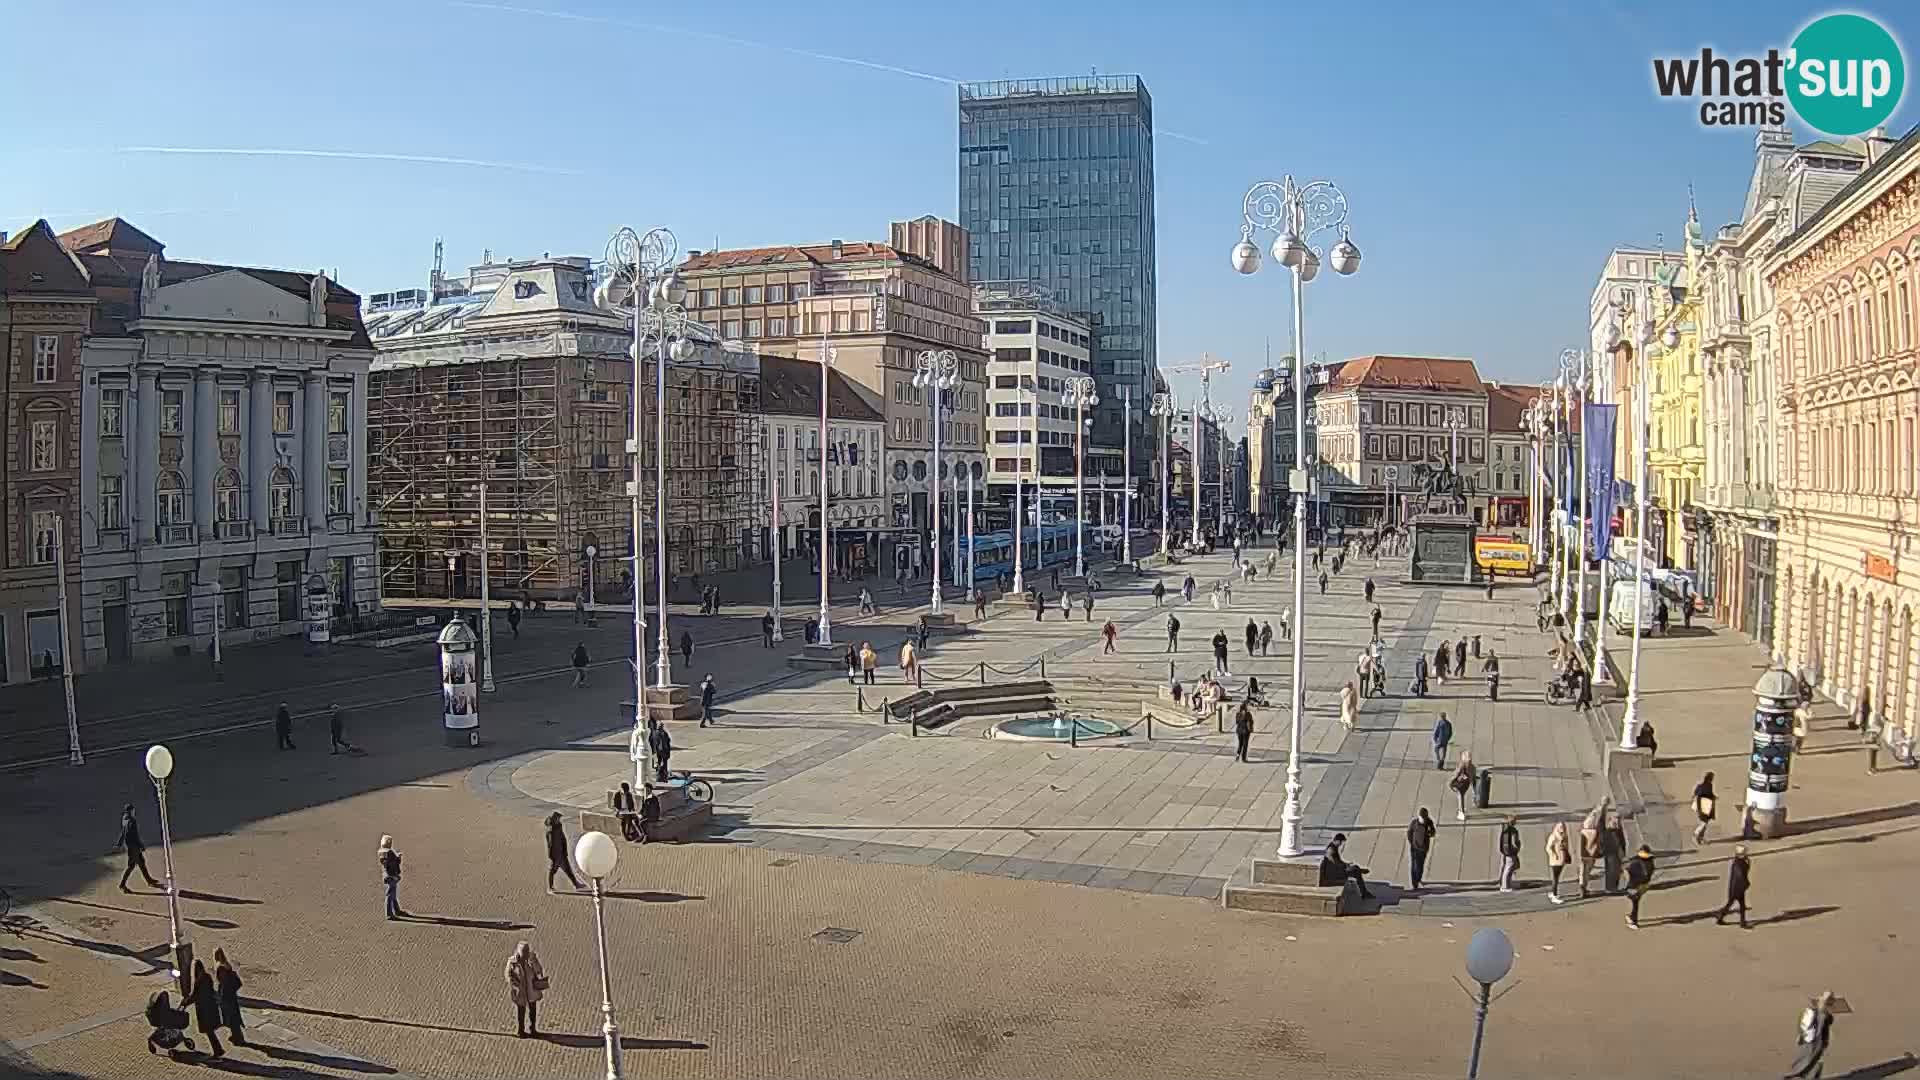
[866,601]
[1592,842]
[1159,593]
[660,745]
[226,987]
[1559,852]
[1462,783]
[923,628]
[1039,605]
[1489,584]
[1661,617]
[1739,876]
[1266,637]
[1286,624]
[979,604]
[1442,735]
[1242,731]
[1349,705]
[1086,601]
[135,848]
[1816,1035]
[766,630]
[1639,880]
[390,877]
[1369,589]
[1419,841]
[1253,637]
[1323,583]
[1109,632]
[579,664]
[869,660]
[1442,659]
[1704,803]
[1613,850]
[204,998]
[686,647]
[1460,657]
[1215,596]
[579,606]
[283,727]
[526,985]
[1375,617]
[1173,633]
[852,659]
[336,731]
[1220,653]
[707,690]
[513,624]
[1491,667]
[909,660]
[557,852]
[1186,589]
[1509,852]
[1420,682]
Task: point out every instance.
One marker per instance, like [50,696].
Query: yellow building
[1676,444]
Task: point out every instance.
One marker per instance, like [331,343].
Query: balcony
[176,534]
[288,526]
[233,530]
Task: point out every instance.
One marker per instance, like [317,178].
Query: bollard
[919,681]
[983,673]
[913,717]
[1043,666]
[886,711]
[1149,727]
[1073,733]
[1219,720]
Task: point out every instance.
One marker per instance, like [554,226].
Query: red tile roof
[1406,373]
[1507,403]
[799,256]
[33,262]
[115,235]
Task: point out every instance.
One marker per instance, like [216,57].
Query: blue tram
[1043,547]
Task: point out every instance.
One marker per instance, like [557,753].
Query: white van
[1620,607]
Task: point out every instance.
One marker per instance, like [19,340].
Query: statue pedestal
[1442,545]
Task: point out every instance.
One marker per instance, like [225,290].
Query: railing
[289,526]
[176,534]
[233,530]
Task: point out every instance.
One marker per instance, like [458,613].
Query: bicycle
[693,787]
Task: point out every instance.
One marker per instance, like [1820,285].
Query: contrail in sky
[347,155]
[480,5]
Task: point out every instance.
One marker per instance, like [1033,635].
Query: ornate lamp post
[827,355]
[774,477]
[1162,409]
[597,854]
[973,477]
[1080,394]
[937,372]
[1126,476]
[1643,337]
[160,767]
[1296,215]
[1489,958]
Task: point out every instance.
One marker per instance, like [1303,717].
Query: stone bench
[1324,900]
[1179,716]
[680,817]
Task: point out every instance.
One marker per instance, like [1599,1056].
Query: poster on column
[459,690]
[1597,425]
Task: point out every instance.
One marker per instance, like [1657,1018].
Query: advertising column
[459,685]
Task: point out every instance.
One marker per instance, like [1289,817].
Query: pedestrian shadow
[469,924]
[27,955]
[650,896]
[627,1042]
[10,978]
[1796,914]
[1664,884]
[215,898]
[332,1014]
[243,1067]
[1858,817]
[1890,1067]
[325,1061]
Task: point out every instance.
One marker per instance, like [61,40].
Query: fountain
[1056,728]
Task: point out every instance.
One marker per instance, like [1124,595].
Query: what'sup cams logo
[1844,75]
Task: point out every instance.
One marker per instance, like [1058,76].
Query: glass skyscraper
[1056,190]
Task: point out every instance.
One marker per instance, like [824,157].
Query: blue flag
[1597,425]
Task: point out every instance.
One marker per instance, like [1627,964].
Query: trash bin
[1483,789]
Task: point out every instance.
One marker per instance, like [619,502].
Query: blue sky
[1492,153]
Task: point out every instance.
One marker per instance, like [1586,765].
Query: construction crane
[1204,411]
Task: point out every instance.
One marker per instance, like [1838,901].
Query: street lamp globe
[159,762]
[681,350]
[1671,338]
[1489,956]
[1246,257]
[1309,267]
[1345,256]
[615,291]
[596,854]
[674,288]
[1288,249]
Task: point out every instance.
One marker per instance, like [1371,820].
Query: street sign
[1393,474]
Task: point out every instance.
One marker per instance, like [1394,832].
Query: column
[260,459]
[313,440]
[144,465]
[87,431]
[205,452]
[357,441]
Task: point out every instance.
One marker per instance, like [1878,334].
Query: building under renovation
[512,386]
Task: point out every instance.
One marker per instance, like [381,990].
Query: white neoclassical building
[223,463]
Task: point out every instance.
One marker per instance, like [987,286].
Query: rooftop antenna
[439,256]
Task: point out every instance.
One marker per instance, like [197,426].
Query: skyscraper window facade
[1056,189]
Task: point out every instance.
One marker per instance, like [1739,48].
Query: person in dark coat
[686,646]
[707,691]
[1220,652]
[1420,676]
[1442,658]
[1242,731]
[1739,876]
[513,624]
[1613,849]
[1442,735]
[1460,657]
[1369,590]
[1335,870]
[1646,740]
[557,862]
[135,848]
[1704,804]
[1375,617]
[1173,633]
[579,663]
[766,630]
[204,999]
[660,744]
[1509,852]
[1253,637]
[1419,841]
[390,876]
[283,728]
[226,983]
[336,731]
[1639,880]
[1816,1034]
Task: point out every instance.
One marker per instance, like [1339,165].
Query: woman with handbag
[1703,805]
[526,984]
[1462,783]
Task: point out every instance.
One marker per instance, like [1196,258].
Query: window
[233,597]
[46,358]
[112,402]
[227,505]
[730,297]
[1906,317]
[170,408]
[46,527]
[173,499]
[286,589]
[44,444]
[776,294]
[709,297]
[280,506]
[753,294]
[753,328]
[840,322]
[337,493]
[174,587]
[337,412]
[112,507]
[730,328]
[340,583]
[229,421]
[800,290]
[283,412]
[776,328]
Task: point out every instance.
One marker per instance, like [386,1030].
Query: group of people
[215,1000]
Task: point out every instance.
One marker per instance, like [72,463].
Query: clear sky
[1492,153]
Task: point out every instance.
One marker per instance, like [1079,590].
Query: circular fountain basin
[1048,729]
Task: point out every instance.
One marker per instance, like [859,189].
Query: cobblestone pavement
[738,959]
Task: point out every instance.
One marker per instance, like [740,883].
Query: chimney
[3,236]
[1878,143]
[837,249]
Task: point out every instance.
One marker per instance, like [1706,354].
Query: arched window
[173,498]
[227,502]
[281,489]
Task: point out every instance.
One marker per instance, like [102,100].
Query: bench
[1325,900]
[680,817]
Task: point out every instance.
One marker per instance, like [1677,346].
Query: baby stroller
[169,1025]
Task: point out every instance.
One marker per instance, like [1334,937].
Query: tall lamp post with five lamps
[1081,395]
[1296,215]
[937,372]
[1163,407]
